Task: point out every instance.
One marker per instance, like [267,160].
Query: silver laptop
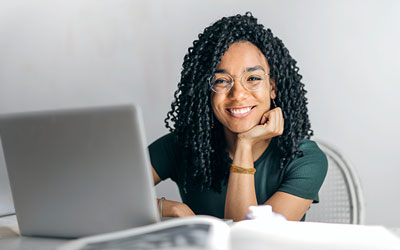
[6,202]
[79,172]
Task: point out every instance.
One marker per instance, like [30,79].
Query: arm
[172,208]
[290,206]
[241,189]
[163,154]
[305,177]
[241,194]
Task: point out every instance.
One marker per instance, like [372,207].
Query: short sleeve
[163,156]
[304,176]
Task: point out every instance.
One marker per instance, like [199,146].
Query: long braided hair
[191,119]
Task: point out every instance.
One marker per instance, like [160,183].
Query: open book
[198,232]
[205,232]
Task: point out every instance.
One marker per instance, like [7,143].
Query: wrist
[243,155]
[243,144]
[237,169]
[160,206]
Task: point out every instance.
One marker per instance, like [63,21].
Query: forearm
[241,189]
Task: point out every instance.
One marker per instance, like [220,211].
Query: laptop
[6,202]
[79,172]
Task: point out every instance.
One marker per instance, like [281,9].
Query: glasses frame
[233,82]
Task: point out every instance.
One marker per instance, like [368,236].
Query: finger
[264,117]
[271,120]
[282,122]
[275,125]
[277,121]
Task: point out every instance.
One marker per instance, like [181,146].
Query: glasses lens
[254,80]
[221,83]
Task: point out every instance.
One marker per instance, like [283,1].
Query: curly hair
[204,159]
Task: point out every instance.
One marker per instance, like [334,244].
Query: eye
[254,78]
[221,81]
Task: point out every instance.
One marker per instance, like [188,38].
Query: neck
[257,149]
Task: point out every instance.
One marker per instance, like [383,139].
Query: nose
[238,91]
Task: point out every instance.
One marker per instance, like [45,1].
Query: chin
[241,128]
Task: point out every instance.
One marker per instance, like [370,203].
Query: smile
[240,112]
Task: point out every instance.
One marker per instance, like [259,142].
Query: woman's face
[239,110]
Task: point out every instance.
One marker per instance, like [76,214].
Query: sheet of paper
[310,235]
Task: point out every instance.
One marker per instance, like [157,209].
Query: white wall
[57,54]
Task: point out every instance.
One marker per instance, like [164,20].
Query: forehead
[242,55]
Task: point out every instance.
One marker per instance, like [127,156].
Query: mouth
[240,112]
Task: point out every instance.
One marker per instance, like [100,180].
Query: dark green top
[302,177]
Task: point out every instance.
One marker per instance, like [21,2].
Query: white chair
[340,198]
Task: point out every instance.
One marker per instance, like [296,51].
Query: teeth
[240,111]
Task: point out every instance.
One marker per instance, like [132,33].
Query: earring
[273,101]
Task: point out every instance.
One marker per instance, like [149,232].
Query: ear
[272,89]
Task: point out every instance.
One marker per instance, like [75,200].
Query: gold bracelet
[240,170]
[160,205]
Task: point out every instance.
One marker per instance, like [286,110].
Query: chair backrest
[340,198]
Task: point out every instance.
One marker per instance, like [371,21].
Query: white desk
[11,240]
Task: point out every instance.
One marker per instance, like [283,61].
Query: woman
[239,128]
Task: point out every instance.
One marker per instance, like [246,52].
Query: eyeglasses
[252,81]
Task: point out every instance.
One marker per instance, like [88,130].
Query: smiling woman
[240,132]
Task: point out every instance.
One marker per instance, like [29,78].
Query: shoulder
[311,148]
[312,162]
[166,144]
[164,155]
[304,175]
[167,138]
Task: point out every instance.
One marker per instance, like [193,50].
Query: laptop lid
[79,172]
[6,202]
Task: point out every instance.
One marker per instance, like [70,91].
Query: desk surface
[11,240]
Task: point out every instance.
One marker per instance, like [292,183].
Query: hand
[271,125]
[176,209]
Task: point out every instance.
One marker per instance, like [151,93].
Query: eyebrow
[249,69]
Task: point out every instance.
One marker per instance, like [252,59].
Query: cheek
[264,99]
[217,106]
[215,102]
